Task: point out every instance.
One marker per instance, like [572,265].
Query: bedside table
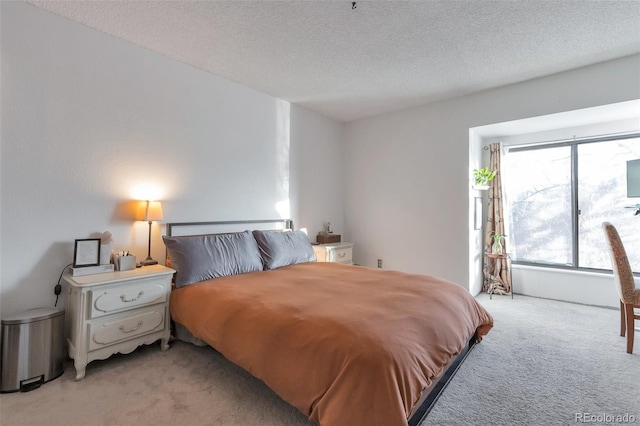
[116,312]
[335,252]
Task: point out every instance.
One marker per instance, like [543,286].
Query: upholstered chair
[627,291]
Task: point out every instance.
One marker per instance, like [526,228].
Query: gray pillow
[201,257]
[280,248]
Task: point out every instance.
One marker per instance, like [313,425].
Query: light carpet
[545,362]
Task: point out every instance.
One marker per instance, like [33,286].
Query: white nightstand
[116,312]
[334,252]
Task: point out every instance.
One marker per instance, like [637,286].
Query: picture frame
[86,252]
[477,216]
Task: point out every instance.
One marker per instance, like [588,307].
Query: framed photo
[86,252]
[477,216]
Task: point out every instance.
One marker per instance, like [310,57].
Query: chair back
[620,264]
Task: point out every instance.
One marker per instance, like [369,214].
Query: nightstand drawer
[108,300]
[341,255]
[112,330]
[336,252]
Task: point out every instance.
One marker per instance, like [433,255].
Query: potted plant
[482,177]
[497,247]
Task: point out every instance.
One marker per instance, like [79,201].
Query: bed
[344,344]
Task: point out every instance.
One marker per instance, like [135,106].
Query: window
[558,195]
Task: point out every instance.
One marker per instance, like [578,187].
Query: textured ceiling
[381,56]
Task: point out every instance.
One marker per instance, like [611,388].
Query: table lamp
[150,211]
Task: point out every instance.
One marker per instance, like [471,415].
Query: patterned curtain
[495,271]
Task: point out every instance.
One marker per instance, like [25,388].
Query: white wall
[88,118]
[407,173]
[316,171]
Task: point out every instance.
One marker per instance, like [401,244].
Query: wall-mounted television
[633,178]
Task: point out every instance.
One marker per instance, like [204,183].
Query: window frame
[575,210]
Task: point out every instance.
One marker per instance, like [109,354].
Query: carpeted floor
[545,362]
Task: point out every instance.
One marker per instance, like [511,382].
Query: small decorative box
[324,238]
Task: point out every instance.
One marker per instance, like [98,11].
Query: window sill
[568,271]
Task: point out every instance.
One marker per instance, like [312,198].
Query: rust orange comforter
[346,345]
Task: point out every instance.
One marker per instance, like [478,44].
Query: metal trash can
[32,349]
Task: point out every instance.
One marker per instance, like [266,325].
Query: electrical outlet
[379,263]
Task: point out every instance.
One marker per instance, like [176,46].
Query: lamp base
[149,261]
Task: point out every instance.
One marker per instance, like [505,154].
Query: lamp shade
[150,211]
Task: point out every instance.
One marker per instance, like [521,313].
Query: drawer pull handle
[125,300]
[342,254]
[124,330]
